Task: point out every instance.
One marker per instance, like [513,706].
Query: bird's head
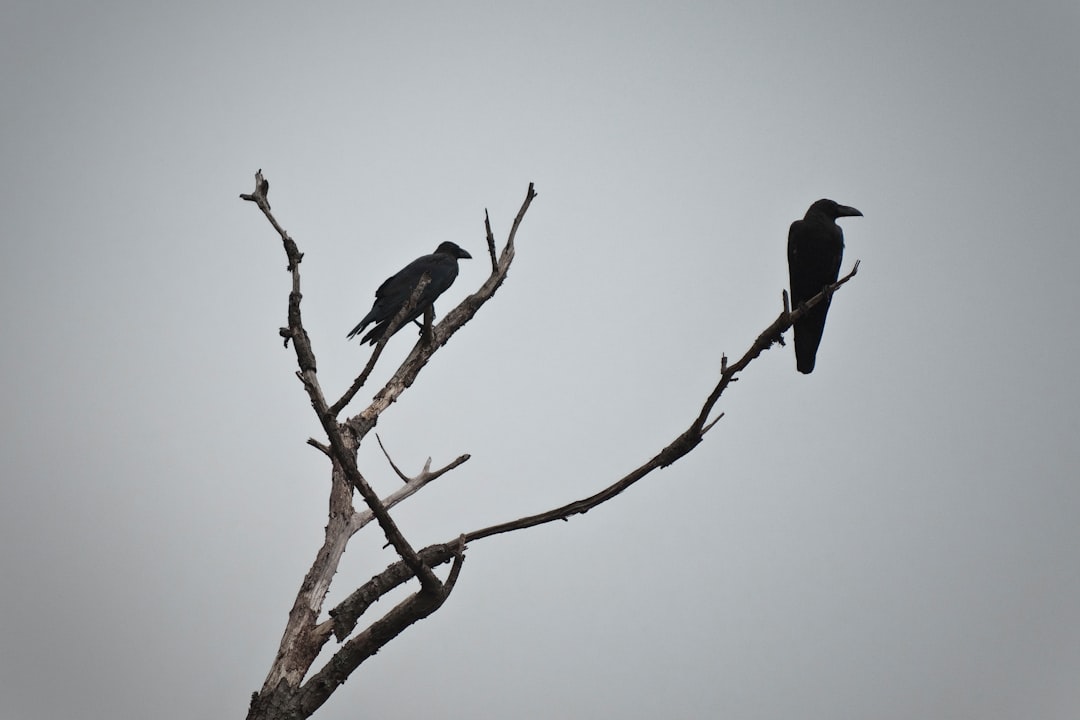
[451,249]
[831,209]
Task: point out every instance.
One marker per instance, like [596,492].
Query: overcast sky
[894,536]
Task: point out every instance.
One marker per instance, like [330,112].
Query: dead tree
[293,689]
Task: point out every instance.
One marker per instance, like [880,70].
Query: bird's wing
[401,283]
[441,269]
[814,257]
[796,251]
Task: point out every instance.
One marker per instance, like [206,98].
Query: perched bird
[814,250]
[441,267]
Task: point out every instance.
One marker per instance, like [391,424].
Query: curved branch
[345,616]
[685,442]
[425,475]
[435,555]
[313,693]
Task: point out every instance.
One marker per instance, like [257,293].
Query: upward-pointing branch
[344,456]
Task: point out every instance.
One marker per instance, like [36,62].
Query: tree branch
[395,323]
[362,423]
[302,638]
[418,606]
[298,648]
[425,475]
[772,334]
[410,488]
[285,693]
[346,614]
[435,555]
[685,442]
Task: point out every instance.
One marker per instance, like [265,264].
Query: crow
[815,248]
[441,267]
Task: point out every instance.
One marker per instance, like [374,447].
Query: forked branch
[303,638]
[426,475]
[343,452]
[416,607]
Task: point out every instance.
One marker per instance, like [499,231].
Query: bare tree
[293,689]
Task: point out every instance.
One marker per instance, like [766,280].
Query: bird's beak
[464,254]
[847,211]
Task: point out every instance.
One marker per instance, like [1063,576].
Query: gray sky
[894,536]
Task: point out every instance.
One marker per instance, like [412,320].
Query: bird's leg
[425,329]
[420,324]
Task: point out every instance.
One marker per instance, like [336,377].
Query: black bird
[814,249]
[441,267]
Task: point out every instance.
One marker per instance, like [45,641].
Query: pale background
[892,537]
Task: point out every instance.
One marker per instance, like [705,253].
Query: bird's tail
[808,333]
[368,319]
[375,334]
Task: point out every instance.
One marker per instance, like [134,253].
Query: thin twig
[490,242]
[362,517]
[425,475]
